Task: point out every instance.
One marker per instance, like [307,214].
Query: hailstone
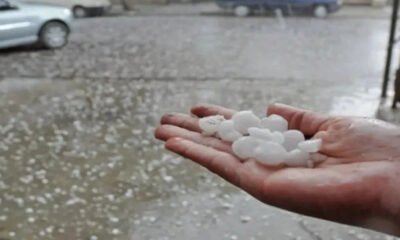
[268,140]
[245,147]
[275,123]
[292,139]
[227,132]
[297,158]
[270,153]
[264,134]
[278,137]
[244,120]
[210,125]
[310,146]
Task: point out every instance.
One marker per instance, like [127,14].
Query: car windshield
[3,3]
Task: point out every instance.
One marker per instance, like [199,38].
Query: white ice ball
[264,134]
[310,146]
[245,147]
[270,153]
[227,132]
[210,125]
[275,123]
[278,137]
[292,139]
[244,120]
[231,136]
[297,158]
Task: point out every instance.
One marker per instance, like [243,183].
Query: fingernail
[166,116]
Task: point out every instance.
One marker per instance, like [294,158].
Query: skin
[357,184]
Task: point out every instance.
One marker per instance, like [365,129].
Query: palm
[348,187]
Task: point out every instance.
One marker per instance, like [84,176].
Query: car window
[4,5]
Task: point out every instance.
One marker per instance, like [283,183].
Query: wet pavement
[333,51]
[77,155]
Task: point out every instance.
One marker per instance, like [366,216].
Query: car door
[16,24]
[277,4]
[300,5]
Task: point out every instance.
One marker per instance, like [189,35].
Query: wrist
[382,224]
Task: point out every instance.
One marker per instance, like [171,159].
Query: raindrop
[114,219]
[129,193]
[50,229]
[178,223]
[227,206]
[152,219]
[245,219]
[115,231]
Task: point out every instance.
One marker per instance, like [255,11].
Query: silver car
[28,23]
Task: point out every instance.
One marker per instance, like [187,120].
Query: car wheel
[320,11]
[79,12]
[54,35]
[242,11]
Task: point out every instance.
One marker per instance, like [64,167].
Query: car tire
[320,11]
[54,35]
[79,12]
[242,11]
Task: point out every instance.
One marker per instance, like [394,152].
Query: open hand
[358,183]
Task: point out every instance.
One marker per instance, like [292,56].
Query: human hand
[357,184]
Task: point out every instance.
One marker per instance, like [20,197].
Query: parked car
[81,8]
[24,24]
[319,8]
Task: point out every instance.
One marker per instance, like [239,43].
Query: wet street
[78,159]
[296,50]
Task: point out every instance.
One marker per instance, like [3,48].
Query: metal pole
[393,24]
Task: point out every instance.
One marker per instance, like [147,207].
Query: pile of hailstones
[267,140]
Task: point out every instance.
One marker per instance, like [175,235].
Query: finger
[166,132]
[318,157]
[204,110]
[331,147]
[307,122]
[181,120]
[221,163]
[328,145]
